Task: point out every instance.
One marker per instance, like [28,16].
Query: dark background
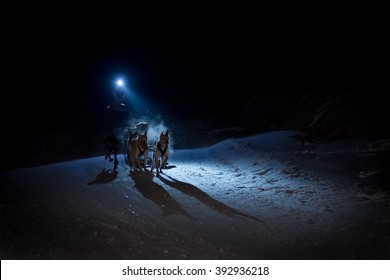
[194,77]
[58,85]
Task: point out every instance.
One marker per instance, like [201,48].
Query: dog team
[136,149]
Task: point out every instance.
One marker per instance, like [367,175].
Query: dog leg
[115,158]
[161,167]
[152,165]
[164,163]
[138,163]
[157,163]
[132,162]
[146,155]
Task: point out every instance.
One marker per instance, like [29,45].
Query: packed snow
[266,196]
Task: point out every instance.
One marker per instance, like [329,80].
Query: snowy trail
[260,197]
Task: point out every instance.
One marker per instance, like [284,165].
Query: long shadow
[203,197]
[156,193]
[107,175]
[170,166]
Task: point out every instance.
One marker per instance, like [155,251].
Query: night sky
[62,78]
[59,82]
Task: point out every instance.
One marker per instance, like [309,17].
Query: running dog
[137,148]
[127,138]
[110,147]
[160,150]
[139,128]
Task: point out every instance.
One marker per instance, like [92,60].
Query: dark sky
[58,74]
[59,77]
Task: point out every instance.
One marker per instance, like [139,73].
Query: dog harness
[141,151]
[161,150]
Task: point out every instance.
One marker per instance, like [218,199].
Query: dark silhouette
[111,147]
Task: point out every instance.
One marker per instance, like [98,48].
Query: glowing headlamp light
[119,83]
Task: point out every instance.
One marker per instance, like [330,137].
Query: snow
[265,196]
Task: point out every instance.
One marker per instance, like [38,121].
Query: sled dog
[128,137]
[129,134]
[137,149]
[110,148]
[160,150]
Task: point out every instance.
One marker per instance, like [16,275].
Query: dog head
[132,136]
[164,138]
